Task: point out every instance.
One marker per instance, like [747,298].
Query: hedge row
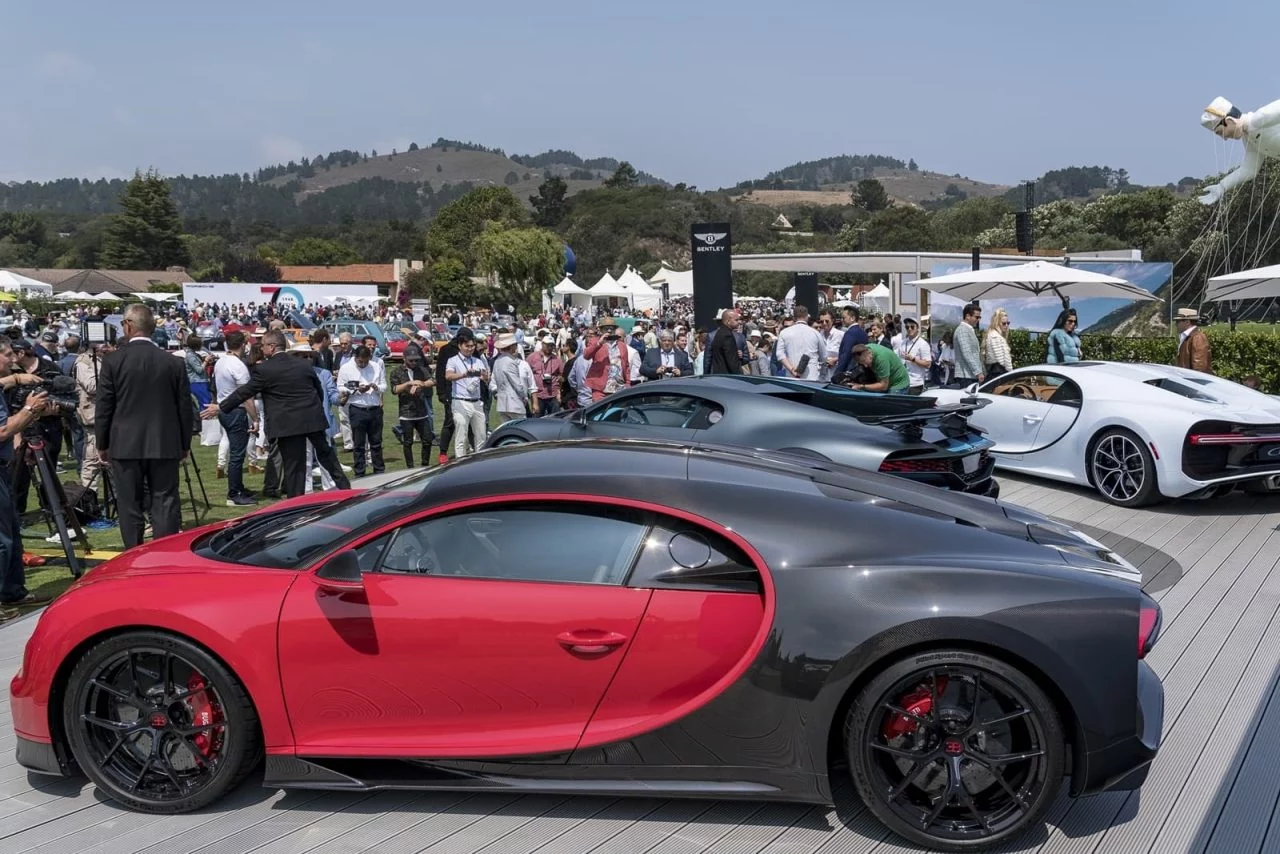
[1236,355]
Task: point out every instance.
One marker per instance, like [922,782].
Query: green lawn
[54,577]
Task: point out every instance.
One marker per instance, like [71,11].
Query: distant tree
[393,155]
[459,223]
[624,177]
[413,146]
[526,177]
[147,233]
[446,281]
[318,250]
[549,202]
[511,178]
[899,229]
[248,268]
[165,288]
[911,165]
[373,153]
[439,168]
[870,195]
[525,260]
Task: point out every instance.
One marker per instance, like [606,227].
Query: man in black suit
[142,423]
[294,403]
[665,360]
[725,355]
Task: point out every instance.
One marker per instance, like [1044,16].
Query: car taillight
[1148,625]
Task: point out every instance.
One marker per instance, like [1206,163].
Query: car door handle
[591,641]
[1033,419]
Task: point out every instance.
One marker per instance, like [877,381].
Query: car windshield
[293,538]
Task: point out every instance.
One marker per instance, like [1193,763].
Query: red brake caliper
[919,703]
[203,713]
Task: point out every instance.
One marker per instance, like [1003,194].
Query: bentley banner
[712,276]
[807,291]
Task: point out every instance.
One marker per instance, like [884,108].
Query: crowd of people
[282,402]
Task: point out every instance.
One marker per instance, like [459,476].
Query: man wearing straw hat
[1194,351]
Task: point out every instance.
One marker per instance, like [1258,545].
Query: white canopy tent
[10,281]
[679,282]
[1258,283]
[105,297]
[73,296]
[578,297]
[160,297]
[878,300]
[642,296]
[608,287]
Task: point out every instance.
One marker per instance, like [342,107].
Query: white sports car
[1134,432]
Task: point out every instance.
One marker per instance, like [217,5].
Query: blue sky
[706,93]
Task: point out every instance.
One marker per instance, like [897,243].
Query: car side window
[561,543]
[680,555]
[1041,387]
[650,410]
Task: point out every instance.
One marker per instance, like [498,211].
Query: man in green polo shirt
[891,374]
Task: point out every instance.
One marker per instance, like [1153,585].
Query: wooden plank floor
[1214,566]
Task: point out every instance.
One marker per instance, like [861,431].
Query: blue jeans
[236,425]
[548,406]
[12,575]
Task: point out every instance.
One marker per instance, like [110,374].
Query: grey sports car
[912,437]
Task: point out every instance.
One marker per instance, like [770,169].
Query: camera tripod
[189,465]
[55,500]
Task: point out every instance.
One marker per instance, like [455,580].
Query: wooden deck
[1214,566]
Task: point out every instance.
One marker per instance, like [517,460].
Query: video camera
[61,390]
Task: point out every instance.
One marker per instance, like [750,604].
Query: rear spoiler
[950,418]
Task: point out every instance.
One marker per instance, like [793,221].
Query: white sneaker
[346,468]
[56,538]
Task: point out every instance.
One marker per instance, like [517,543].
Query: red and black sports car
[611,617]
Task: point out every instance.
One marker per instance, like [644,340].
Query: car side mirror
[579,418]
[341,573]
[971,389]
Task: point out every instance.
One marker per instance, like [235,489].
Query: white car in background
[1133,432]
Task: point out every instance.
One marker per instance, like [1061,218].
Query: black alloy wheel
[508,441]
[1122,470]
[158,724]
[955,751]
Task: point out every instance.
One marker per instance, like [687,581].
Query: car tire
[509,441]
[1111,460]
[897,761]
[209,740]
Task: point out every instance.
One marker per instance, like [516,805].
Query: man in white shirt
[831,338]
[914,352]
[361,384]
[229,373]
[466,372]
[798,341]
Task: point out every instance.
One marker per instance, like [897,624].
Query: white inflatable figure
[1260,132]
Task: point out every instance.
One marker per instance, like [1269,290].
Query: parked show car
[611,618]
[1133,432]
[911,437]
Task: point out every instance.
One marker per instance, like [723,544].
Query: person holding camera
[13,421]
[608,360]
[412,382]
[361,384]
[28,361]
[548,372]
[665,360]
[467,372]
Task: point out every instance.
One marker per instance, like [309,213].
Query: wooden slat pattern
[1214,566]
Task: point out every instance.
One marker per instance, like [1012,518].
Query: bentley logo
[710,238]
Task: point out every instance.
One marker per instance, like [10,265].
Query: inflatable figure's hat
[1217,112]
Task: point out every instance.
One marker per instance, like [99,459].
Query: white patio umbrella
[105,297]
[1036,279]
[1258,283]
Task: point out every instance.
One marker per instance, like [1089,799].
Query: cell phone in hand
[803,365]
